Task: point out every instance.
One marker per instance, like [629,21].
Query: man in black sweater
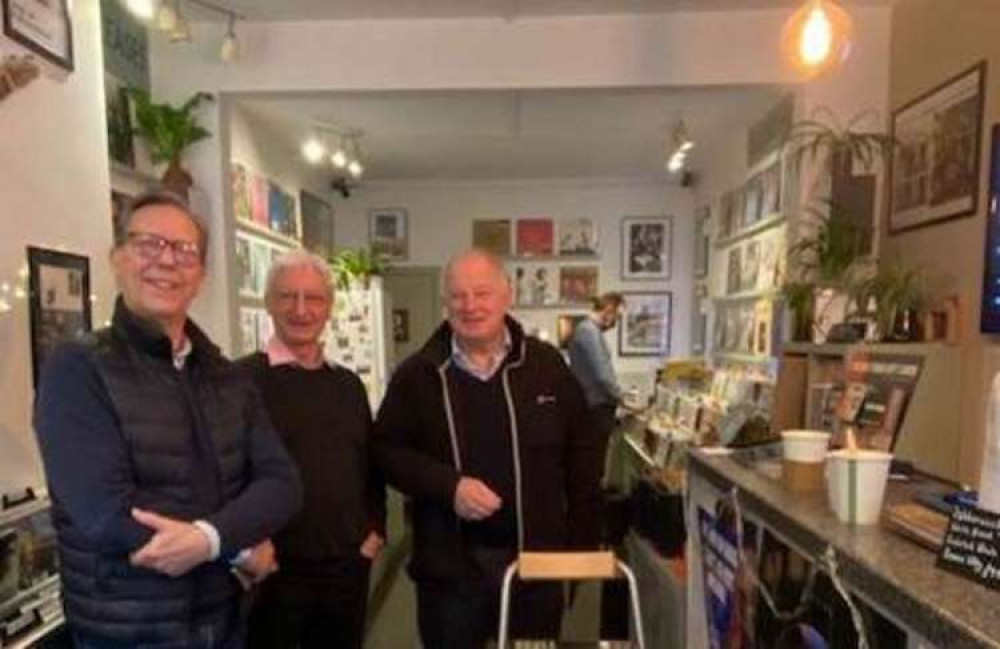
[161,462]
[321,412]
[487,431]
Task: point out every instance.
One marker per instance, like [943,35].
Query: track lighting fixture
[167,16]
[346,156]
[679,145]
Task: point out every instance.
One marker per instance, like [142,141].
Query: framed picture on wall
[577,237]
[59,290]
[646,247]
[317,224]
[645,324]
[387,233]
[492,235]
[701,241]
[43,26]
[934,169]
[577,284]
[535,237]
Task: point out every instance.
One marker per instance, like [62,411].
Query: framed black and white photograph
[42,26]
[934,170]
[646,247]
[400,325]
[645,324]
[59,289]
[387,233]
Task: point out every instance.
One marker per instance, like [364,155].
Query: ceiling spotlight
[143,9]
[686,146]
[355,169]
[166,17]
[676,163]
[230,51]
[181,32]
[313,151]
[816,37]
[339,157]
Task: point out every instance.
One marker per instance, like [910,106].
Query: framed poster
[400,325]
[281,211]
[934,169]
[387,233]
[59,289]
[646,247]
[317,224]
[645,325]
[577,237]
[535,237]
[42,26]
[577,284]
[492,235]
[241,192]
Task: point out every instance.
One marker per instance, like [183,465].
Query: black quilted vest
[104,595]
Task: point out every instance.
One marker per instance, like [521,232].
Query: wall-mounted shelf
[276,237]
[20,512]
[760,226]
[551,258]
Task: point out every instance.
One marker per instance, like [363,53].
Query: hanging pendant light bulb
[142,9]
[230,51]
[816,37]
[181,33]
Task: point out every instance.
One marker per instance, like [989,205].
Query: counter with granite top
[890,572]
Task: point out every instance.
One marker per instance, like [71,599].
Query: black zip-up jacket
[120,427]
[418,446]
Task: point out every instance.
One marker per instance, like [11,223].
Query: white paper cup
[807,446]
[855,482]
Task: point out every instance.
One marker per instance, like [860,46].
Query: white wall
[55,189]
[441,215]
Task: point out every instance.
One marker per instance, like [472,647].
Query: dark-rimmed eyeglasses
[150,247]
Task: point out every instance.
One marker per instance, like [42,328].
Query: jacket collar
[438,350]
[148,338]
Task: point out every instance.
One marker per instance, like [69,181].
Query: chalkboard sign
[972,545]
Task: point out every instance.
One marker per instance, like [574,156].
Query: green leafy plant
[894,290]
[357,265]
[828,255]
[841,145]
[800,298]
[168,129]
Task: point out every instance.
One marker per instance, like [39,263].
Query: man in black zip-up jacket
[160,458]
[487,431]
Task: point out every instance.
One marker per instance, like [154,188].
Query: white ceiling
[517,134]
[267,10]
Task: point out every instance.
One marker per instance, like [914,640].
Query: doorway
[415,295]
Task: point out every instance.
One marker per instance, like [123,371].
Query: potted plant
[169,130]
[897,295]
[356,267]
[838,147]
[825,266]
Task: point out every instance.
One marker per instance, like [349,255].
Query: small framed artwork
[317,224]
[577,284]
[577,238]
[646,247]
[645,324]
[241,192]
[566,326]
[43,26]
[934,169]
[535,237]
[59,289]
[400,325]
[492,235]
[387,233]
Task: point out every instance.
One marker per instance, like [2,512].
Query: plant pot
[177,180]
[906,327]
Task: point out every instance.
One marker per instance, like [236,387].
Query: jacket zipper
[515,447]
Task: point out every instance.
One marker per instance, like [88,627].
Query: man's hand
[474,501]
[371,546]
[260,563]
[176,546]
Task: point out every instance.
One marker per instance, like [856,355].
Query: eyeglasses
[150,247]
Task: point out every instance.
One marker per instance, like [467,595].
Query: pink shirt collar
[278,353]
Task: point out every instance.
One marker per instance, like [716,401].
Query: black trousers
[465,614]
[312,611]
